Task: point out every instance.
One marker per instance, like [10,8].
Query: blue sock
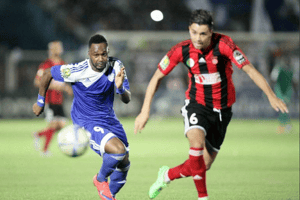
[110,162]
[118,179]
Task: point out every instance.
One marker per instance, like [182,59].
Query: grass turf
[254,163]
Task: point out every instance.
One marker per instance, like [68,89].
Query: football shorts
[54,112]
[101,134]
[213,122]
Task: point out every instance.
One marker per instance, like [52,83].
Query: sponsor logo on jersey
[190,63]
[202,60]
[66,72]
[207,79]
[238,56]
[164,63]
[214,60]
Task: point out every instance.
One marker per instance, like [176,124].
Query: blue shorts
[102,133]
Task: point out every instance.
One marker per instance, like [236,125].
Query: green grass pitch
[254,163]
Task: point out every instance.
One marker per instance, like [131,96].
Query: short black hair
[201,17]
[97,39]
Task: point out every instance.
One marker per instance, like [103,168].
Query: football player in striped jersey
[208,57]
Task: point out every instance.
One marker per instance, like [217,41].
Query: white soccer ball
[73,141]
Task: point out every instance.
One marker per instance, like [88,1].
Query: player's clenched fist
[37,110]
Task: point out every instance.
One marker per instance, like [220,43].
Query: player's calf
[118,178]
[110,162]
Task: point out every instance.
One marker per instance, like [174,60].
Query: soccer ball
[73,141]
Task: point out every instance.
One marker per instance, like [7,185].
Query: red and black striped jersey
[52,96]
[209,71]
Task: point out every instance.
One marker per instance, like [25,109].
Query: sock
[180,171]
[118,179]
[198,170]
[45,132]
[48,133]
[110,162]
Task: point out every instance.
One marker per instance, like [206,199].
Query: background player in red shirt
[54,98]
[209,97]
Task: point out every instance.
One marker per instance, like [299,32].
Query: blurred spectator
[284,78]
[54,98]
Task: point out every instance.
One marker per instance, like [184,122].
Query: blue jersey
[93,91]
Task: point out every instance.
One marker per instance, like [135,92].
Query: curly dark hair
[96,39]
[201,17]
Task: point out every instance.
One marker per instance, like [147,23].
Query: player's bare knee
[55,125]
[115,146]
[208,166]
[196,138]
[197,143]
[62,124]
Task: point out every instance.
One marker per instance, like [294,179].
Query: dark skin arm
[125,97]
[64,87]
[43,87]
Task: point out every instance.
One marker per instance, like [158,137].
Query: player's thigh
[195,119]
[115,146]
[55,116]
[196,137]
[57,124]
[216,135]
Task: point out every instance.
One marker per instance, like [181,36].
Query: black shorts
[213,122]
[54,112]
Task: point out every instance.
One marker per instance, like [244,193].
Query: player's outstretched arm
[61,86]
[68,89]
[262,83]
[143,117]
[38,107]
[125,95]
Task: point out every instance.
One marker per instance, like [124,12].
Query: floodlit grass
[255,163]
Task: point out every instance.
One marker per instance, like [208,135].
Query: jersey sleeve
[170,60]
[66,73]
[117,67]
[55,72]
[229,49]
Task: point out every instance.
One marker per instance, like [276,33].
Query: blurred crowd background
[266,30]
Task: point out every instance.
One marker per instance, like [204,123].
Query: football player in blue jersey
[93,81]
